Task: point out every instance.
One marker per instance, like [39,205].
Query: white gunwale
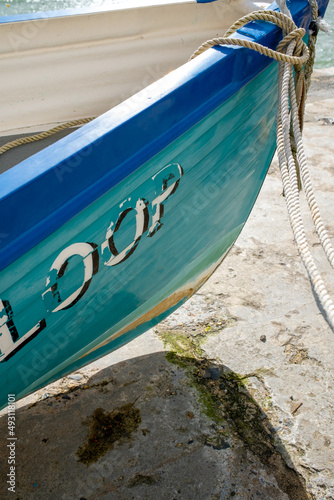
[61,68]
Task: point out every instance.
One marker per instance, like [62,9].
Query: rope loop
[291,53]
[283,21]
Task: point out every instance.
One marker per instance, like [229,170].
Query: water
[324,48]
[12,7]
[325,43]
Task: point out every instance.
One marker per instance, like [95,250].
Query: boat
[111,228]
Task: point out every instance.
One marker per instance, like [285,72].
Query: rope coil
[282,21]
[292,54]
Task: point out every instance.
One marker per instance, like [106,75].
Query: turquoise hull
[129,259]
[115,226]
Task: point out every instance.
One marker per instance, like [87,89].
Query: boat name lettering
[166,182]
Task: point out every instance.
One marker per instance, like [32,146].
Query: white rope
[291,54]
[283,7]
[288,169]
[290,166]
[282,21]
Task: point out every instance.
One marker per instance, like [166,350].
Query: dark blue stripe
[40,194]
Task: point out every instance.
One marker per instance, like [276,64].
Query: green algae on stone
[180,343]
[209,402]
[107,428]
[226,400]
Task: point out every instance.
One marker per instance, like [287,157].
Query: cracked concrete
[233,394]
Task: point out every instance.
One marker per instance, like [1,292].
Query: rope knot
[292,35]
[313,28]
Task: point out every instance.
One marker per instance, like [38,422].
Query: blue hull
[118,224]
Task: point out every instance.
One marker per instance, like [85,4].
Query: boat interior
[57,67]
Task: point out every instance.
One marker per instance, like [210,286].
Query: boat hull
[116,225]
[134,255]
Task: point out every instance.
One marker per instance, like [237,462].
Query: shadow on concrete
[159,426]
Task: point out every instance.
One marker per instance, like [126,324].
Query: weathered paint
[153,198]
[167,226]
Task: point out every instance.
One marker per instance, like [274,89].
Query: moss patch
[182,344]
[224,398]
[107,428]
